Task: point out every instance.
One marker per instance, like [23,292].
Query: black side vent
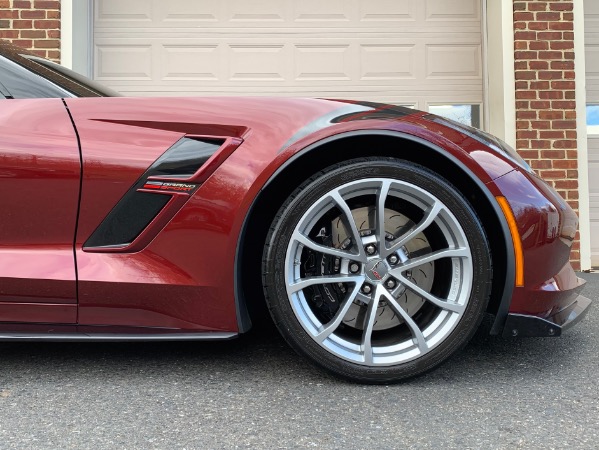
[184,158]
[130,217]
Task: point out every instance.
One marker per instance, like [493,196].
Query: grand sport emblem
[170,186]
[376,270]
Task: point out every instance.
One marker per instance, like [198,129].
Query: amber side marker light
[516,241]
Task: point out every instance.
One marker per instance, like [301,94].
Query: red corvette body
[147,218]
[66,164]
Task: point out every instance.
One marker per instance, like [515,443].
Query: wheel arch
[248,278]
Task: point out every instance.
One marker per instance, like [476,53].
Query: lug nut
[390,283]
[370,249]
[366,289]
[354,268]
[393,259]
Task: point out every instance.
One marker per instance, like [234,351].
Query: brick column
[545,95]
[34,25]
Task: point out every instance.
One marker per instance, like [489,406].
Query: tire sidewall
[311,191]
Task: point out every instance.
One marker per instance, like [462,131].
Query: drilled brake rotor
[396,224]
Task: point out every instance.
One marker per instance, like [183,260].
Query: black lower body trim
[522,325]
[114,337]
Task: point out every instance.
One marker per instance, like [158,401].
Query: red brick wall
[545,97]
[34,25]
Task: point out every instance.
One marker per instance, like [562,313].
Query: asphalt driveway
[256,393]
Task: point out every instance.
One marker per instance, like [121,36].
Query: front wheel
[377,270]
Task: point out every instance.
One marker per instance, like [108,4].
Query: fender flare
[243,317]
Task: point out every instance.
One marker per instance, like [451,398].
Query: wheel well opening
[265,207]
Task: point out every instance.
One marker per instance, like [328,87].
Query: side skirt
[11,332]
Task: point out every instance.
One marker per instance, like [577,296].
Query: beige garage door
[411,52]
[592,65]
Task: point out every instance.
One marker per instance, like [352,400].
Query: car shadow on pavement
[263,354]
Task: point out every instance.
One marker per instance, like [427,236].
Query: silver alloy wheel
[383,276]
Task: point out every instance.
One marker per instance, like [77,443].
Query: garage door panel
[119,11]
[176,13]
[124,62]
[453,61]
[399,64]
[259,62]
[387,11]
[591,13]
[264,11]
[592,66]
[318,10]
[387,62]
[455,10]
[189,62]
[594,165]
[411,15]
[594,197]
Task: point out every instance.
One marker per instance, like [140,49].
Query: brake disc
[395,225]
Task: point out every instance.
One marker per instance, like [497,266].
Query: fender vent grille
[136,210]
[132,215]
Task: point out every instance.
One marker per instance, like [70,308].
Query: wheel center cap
[376,270]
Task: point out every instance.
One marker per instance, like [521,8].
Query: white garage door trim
[76,31]
[500,95]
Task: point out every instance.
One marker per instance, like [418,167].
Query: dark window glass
[28,76]
[21,83]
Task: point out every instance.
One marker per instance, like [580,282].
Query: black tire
[275,274]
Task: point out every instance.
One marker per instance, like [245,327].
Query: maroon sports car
[378,236]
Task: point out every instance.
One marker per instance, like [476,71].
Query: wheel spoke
[311,281]
[381,197]
[347,228]
[307,242]
[414,328]
[461,252]
[350,223]
[443,304]
[367,333]
[325,330]
[429,216]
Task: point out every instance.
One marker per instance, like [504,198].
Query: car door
[40,173]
